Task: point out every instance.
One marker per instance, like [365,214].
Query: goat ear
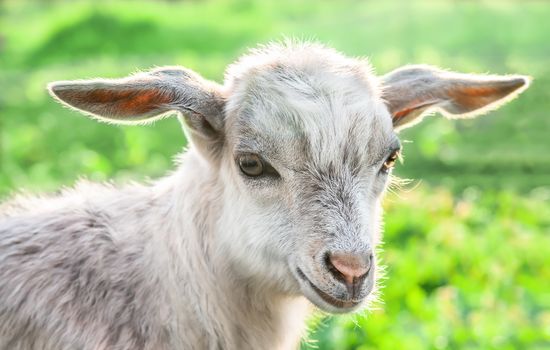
[411,92]
[148,96]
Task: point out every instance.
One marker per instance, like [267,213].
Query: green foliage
[467,266]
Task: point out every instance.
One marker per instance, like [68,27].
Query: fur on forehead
[293,91]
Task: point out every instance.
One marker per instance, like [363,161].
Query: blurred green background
[467,243]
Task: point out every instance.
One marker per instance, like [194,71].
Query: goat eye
[251,165]
[390,162]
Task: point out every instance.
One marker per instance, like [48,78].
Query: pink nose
[349,267]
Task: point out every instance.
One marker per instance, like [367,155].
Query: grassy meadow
[467,243]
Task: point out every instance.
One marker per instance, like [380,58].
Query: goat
[274,207]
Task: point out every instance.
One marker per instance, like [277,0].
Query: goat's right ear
[149,96]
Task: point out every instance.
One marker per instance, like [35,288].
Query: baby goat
[275,205]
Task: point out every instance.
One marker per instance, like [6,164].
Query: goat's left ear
[411,92]
[148,96]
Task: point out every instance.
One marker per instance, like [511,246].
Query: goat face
[310,146]
[302,140]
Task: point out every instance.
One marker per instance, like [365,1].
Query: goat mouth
[329,299]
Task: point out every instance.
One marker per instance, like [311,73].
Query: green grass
[467,251]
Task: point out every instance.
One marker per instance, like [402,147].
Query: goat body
[275,206]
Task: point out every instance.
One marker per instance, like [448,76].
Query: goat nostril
[349,268]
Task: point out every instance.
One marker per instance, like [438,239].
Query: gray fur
[206,257]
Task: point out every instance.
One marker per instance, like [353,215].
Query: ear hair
[140,97]
[149,96]
[411,92]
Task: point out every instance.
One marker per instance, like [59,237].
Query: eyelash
[265,169]
[389,163]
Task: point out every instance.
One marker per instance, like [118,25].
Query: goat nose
[351,268]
